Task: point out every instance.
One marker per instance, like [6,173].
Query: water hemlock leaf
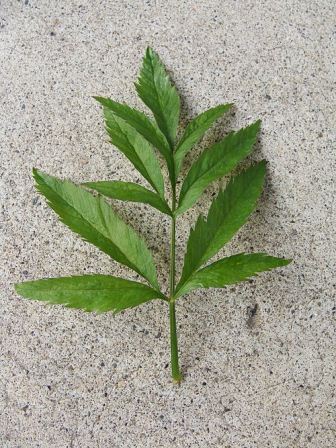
[92,218]
[95,221]
[230,270]
[148,129]
[98,293]
[215,162]
[136,149]
[195,131]
[156,91]
[129,191]
[228,212]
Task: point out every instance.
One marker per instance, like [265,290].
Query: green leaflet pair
[89,215]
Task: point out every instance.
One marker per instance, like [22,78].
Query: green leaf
[148,129]
[98,293]
[128,191]
[96,222]
[230,270]
[136,149]
[195,131]
[157,92]
[215,162]
[228,212]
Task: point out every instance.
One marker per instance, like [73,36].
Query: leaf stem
[172,249]
[175,369]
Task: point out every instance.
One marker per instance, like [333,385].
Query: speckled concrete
[252,379]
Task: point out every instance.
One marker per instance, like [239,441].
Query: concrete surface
[264,379]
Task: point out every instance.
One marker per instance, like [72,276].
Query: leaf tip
[20,289]
[255,127]
[262,165]
[39,176]
[36,174]
[150,52]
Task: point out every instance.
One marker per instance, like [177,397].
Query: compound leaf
[136,149]
[230,270]
[195,131]
[215,162]
[98,293]
[157,92]
[96,222]
[141,123]
[228,212]
[128,191]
